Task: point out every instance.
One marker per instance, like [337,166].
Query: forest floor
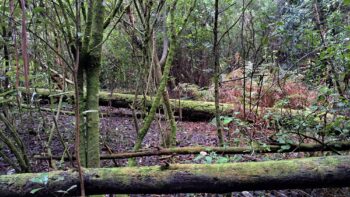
[119,134]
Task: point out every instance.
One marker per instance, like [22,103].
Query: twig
[316,140]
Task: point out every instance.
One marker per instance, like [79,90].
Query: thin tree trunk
[24,45]
[216,55]
[81,78]
[243,59]
[170,137]
[156,102]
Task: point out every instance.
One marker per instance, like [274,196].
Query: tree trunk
[331,171]
[93,86]
[216,55]
[81,80]
[170,139]
[164,80]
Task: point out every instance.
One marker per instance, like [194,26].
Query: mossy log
[102,114]
[303,147]
[318,172]
[191,110]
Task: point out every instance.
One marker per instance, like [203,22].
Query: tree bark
[331,171]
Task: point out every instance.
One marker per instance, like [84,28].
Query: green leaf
[42,179]
[279,23]
[90,111]
[266,147]
[285,147]
[226,120]
[281,140]
[199,157]
[347,2]
[71,187]
[208,159]
[236,158]
[222,160]
[61,191]
[66,191]
[60,178]
[213,122]
[38,10]
[36,190]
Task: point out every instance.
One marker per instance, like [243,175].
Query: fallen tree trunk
[191,110]
[332,171]
[336,146]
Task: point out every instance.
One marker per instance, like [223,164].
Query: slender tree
[162,85]
[216,56]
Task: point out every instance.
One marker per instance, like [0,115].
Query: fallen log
[303,147]
[318,172]
[191,110]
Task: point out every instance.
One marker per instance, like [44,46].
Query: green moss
[248,172]
[93,86]
[330,161]
[131,172]
[204,106]
[243,169]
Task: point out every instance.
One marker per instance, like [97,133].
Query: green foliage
[33,191]
[67,190]
[212,158]
[42,179]
[284,138]
[324,118]
[225,120]
[282,103]
[119,67]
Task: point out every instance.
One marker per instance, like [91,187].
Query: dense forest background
[124,82]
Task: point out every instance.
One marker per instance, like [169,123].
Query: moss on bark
[93,85]
[190,109]
[332,171]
